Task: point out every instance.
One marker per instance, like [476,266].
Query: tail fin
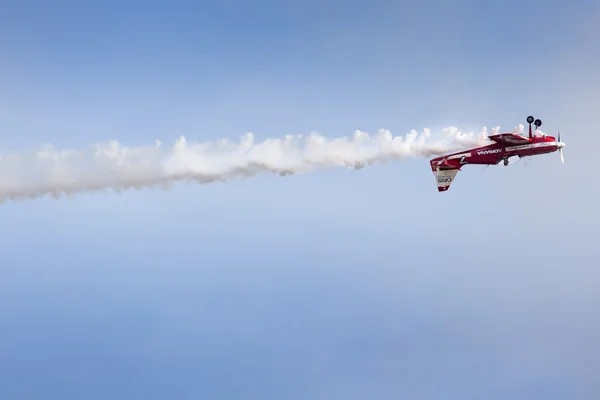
[444,178]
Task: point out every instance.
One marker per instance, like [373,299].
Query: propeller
[560,146]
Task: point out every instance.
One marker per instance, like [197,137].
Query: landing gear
[505,162]
[536,122]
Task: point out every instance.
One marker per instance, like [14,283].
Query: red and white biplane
[505,146]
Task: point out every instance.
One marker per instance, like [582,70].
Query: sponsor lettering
[444,179]
[483,152]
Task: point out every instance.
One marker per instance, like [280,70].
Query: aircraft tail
[444,178]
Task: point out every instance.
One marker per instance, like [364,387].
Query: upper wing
[509,138]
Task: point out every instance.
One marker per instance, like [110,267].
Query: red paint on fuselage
[494,153]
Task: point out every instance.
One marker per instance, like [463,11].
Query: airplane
[505,146]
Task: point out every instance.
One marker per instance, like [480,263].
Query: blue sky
[339,284]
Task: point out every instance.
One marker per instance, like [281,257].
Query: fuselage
[496,152]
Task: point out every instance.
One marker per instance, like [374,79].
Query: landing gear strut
[505,162]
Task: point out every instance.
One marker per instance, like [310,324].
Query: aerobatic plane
[504,146]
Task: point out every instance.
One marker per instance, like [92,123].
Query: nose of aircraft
[560,146]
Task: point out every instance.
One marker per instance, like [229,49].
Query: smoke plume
[114,166]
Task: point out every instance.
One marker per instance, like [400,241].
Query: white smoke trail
[114,166]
